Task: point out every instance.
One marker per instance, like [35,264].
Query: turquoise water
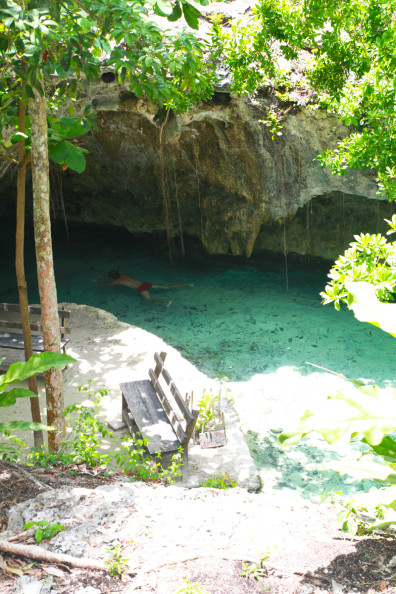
[237,321]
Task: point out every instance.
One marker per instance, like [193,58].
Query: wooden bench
[164,420]
[14,340]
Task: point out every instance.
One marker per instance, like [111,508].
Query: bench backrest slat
[33,309]
[173,389]
[35,326]
[181,435]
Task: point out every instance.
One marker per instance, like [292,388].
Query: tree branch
[41,554]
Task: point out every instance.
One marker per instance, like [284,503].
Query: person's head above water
[114,274]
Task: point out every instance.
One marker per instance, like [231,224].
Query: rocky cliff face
[216,173]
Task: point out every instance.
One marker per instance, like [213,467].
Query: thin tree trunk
[45,264]
[20,273]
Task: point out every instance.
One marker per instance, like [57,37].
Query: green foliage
[240,46]
[207,410]
[84,441]
[255,570]
[44,458]
[218,481]
[84,445]
[116,561]
[44,529]
[11,449]
[132,458]
[272,121]
[87,431]
[165,67]
[366,415]
[43,41]
[371,258]
[18,372]
[189,588]
[349,48]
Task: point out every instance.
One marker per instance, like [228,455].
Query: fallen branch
[41,554]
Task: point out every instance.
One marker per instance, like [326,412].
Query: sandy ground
[109,352]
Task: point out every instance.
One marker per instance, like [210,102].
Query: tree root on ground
[41,554]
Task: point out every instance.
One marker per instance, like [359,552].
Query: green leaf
[138,91]
[366,411]
[190,14]
[38,363]
[24,426]
[75,158]
[9,398]
[163,8]
[58,152]
[176,13]
[18,136]
[14,570]
[368,308]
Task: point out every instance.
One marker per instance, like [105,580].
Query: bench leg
[185,464]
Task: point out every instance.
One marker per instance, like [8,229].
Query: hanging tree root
[41,554]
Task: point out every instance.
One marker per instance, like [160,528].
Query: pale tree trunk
[45,265]
[20,272]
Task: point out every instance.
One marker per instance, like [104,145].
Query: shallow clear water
[238,323]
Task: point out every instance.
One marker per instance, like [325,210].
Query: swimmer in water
[140,286]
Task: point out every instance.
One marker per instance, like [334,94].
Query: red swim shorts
[144,287]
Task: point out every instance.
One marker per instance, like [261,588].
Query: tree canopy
[63,41]
[351,46]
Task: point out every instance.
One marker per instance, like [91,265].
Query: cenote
[242,317]
[245,322]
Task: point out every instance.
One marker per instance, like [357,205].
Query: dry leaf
[14,570]
[53,571]
[382,586]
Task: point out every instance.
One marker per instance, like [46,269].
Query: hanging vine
[164,189]
[282,192]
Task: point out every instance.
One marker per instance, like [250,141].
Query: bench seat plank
[12,340]
[149,416]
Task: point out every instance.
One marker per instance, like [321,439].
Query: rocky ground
[171,534]
[168,535]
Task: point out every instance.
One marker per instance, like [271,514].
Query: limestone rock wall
[216,173]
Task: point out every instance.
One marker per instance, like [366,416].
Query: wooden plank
[33,309]
[167,408]
[149,416]
[160,361]
[35,326]
[12,340]
[177,396]
[190,426]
